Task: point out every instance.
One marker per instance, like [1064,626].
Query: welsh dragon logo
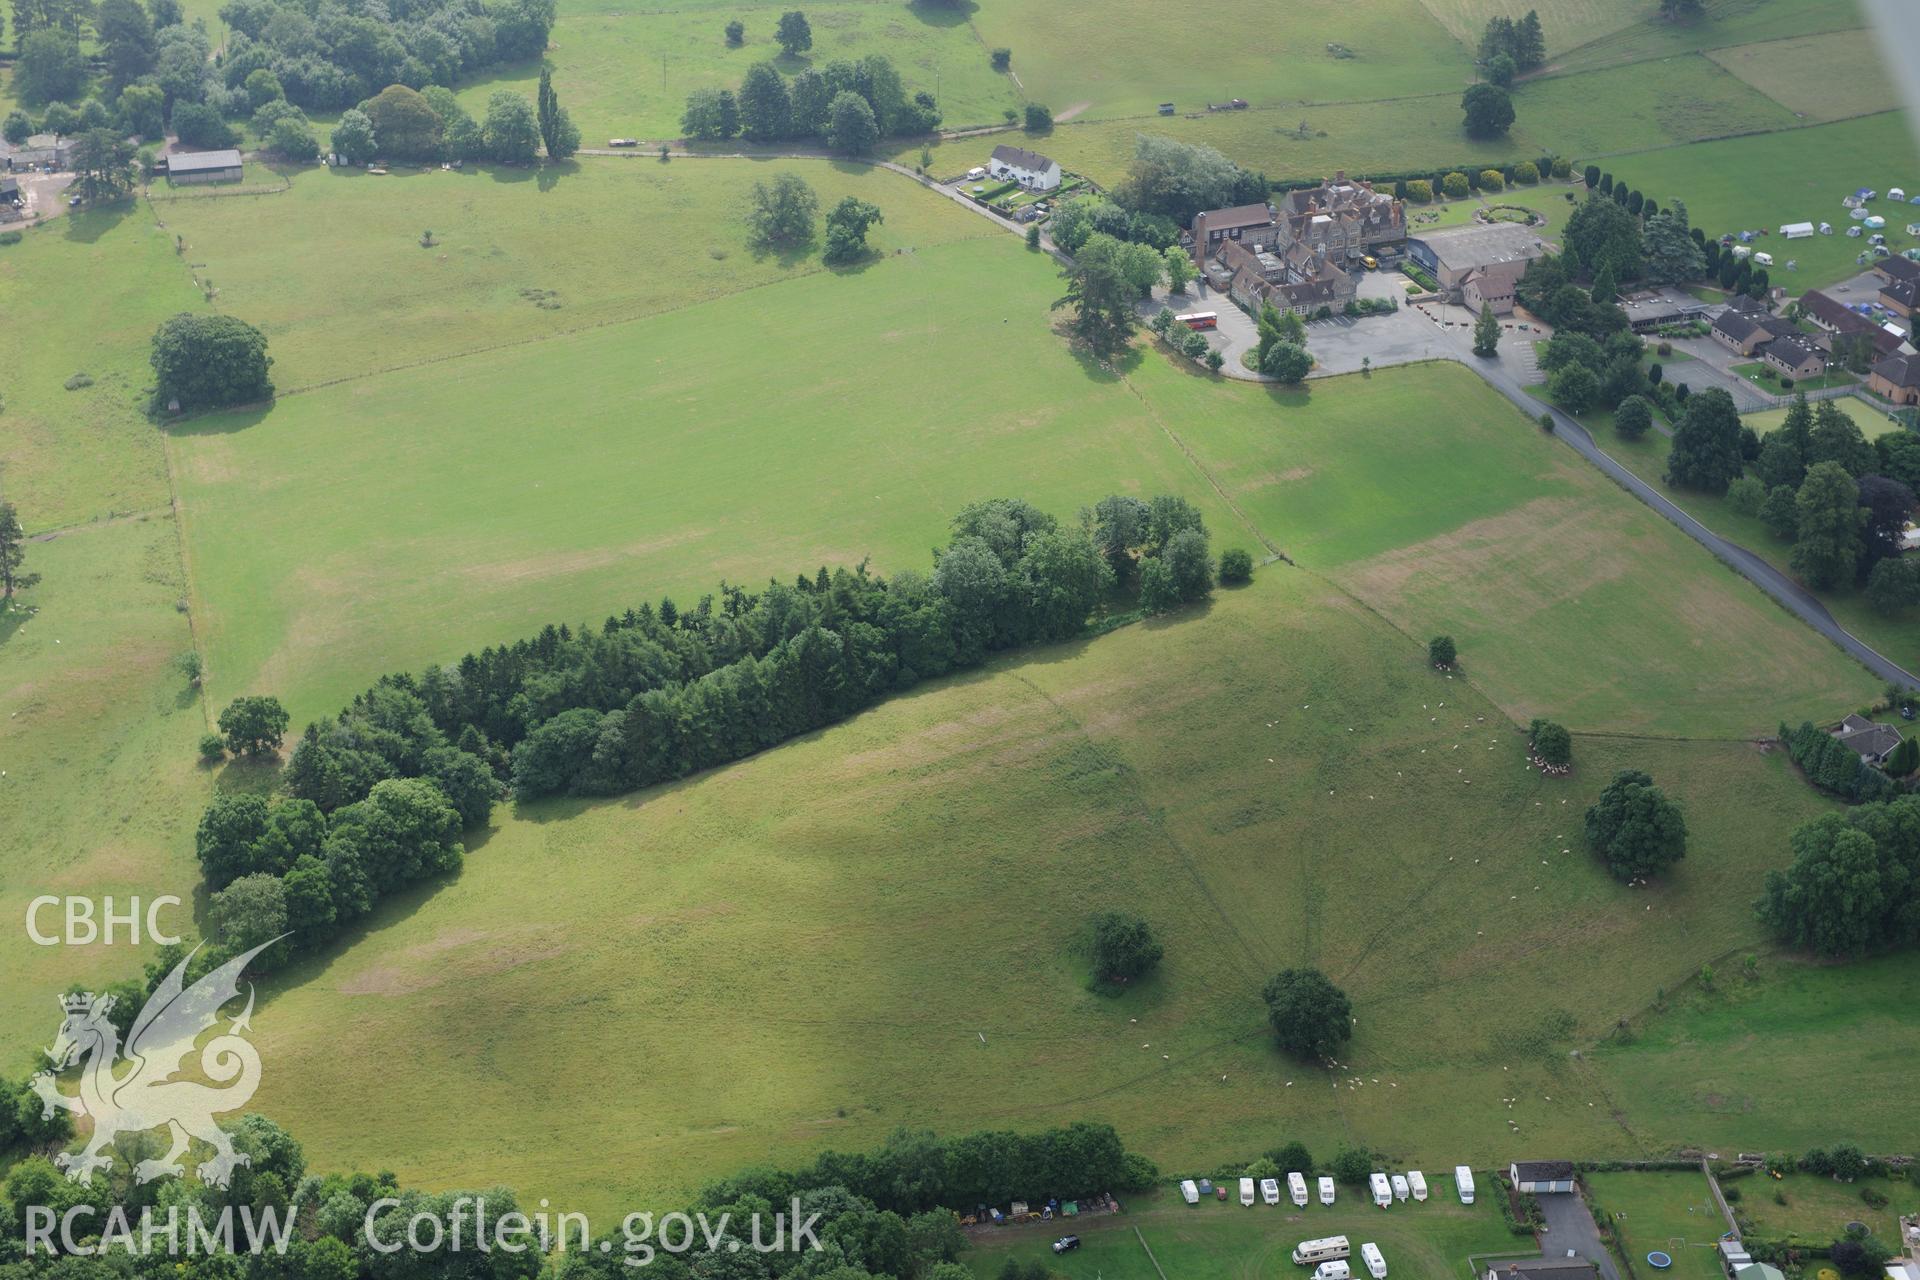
[121,1101]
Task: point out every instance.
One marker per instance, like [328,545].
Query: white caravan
[1382,1190]
[1326,1191]
[1270,1190]
[1297,1188]
[1246,1192]
[1332,1271]
[1417,1181]
[1376,1264]
[1189,1192]
[1463,1183]
[1327,1250]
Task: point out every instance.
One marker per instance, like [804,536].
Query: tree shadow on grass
[943,13]
[219,422]
[12,618]
[88,225]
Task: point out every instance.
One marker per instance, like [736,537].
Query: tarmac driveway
[1571,1229]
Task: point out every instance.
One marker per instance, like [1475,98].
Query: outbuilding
[194,167]
[1540,1177]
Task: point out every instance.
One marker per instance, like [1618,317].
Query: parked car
[1066,1243]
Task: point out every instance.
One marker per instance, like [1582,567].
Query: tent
[1875,223]
[1797,230]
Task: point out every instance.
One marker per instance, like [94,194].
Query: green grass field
[1722,1066]
[1649,104]
[1213,1241]
[1829,76]
[1671,1212]
[1647,458]
[627,73]
[1767,181]
[516,256]
[1873,423]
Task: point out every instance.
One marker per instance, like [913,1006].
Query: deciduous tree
[1831,525]
[780,214]
[1488,111]
[793,33]
[13,554]
[847,224]
[1124,947]
[1311,1017]
[1635,828]
[254,725]
[207,361]
[1706,444]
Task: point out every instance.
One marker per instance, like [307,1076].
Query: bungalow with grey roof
[1872,742]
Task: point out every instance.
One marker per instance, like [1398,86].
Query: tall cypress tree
[548,104]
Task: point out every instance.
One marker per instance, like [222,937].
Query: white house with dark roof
[1872,742]
[1541,1177]
[1030,169]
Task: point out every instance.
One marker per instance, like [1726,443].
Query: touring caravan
[1332,1271]
[1463,1183]
[1763,259]
[1297,1188]
[1326,1191]
[1189,1192]
[1417,1183]
[1400,1188]
[1246,1191]
[1376,1262]
[1382,1190]
[1270,1190]
[1308,1252]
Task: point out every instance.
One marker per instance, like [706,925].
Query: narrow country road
[1796,598]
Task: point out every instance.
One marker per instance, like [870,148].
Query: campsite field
[1765,182]
[1214,1241]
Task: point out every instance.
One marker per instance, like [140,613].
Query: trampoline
[1659,1261]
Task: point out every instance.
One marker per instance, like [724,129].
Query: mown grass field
[1643,37]
[516,255]
[1767,181]
[1213,1241]
[1872,423]
[1672,1212]
[1819,1209]
[1647,458]
[1829,76]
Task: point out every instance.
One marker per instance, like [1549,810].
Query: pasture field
[1213,1241]
[516,255]
[99,789]
[1126,58]
[1647,458]
[626,73]
[1680,100]
[1829,76]
[1872,423]
[876,925]
[1490,530]
[1727,22]
[1670,1211]
[76,455]
[1732,1068]
[1767,181]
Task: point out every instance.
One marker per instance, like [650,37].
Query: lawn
[1672,1212]
[1767,378]
[1804,1206]
[1765,182]
[1214,1241]
[515,255]
[1644,38]
[1680,100]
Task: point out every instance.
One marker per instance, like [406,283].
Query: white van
[1326,1191]
[1382,1190]
[1189,1192]
[1463,1183]
[1246,1191]
[1331,1248]
[1270,1190]
[1400,1188]
[1376,1264]
[1332,1271]
[1297,1188]
[1417,1181]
